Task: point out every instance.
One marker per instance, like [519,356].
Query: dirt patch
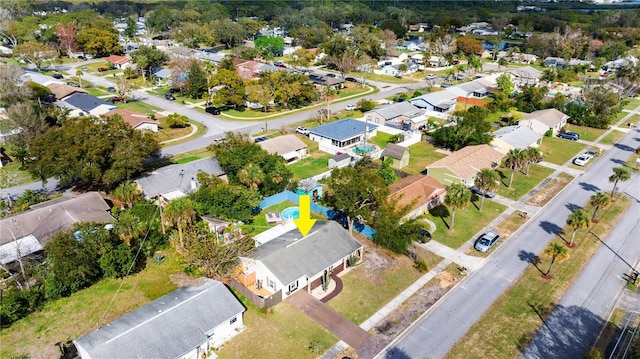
[376,259]
[549,191]
[181,279]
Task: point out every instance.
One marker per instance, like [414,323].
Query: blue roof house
[337,135]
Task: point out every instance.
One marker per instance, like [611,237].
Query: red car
[117,98]
[102,69]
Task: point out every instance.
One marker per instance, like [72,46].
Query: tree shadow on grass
[530,258]
[442,212]
[503,177]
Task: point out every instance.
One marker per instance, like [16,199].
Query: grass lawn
[558,150]
[521,184]
[192,156]
[285,332]
[382,78]
[314,164]
[506,228]
[138,106]
[381,139]
[515,317]
[586,133]
[468,221]
[550,189]
[363,295]
[166,133]
[97,91]
[69,318]
[632,105]
[612,137]
[422,155]
[14,175]
[634,119]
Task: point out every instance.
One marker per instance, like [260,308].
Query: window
[233,320]
[271,284]
[293,286]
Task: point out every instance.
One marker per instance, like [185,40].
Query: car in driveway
[117,99]
[73,84]
[425,236]
[350,108]
[212,110]
[102,69]
[480,192]
[581,160]
[486,241]
[57,76]
[169,97]
[432,76]
[302,130]
[260,139]
[569,135]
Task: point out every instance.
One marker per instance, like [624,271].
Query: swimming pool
[364,149]
[291,213]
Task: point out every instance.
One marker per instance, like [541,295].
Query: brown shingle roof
[469,160]
[118,60]
[283,144]
[394,151]
[549,117]
[421,188]
[134,119]
[61,91]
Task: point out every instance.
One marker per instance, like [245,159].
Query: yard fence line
[261,302]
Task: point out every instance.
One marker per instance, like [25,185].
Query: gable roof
[442,99]
[163,73]
[85,102]
[283,144]
[168,327]
[527,72]
[291,256]
[61,91]
[45,219]
[132,118]
[177,179]
[469,160]
[517,136]
[325,80]
[342,129]
[422,189]
[116,59]
[549,117]
[392,111]
[341,157]
[394,151]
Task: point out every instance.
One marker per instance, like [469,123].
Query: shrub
[420,265]
[177,121]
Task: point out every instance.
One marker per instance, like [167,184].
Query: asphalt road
[433,334]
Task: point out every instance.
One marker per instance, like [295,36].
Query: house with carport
[515,137]
[285,261]
[337,136]
[462,166]
[188,323]
[426,191]
[289,147]
[397,114]
[542,121]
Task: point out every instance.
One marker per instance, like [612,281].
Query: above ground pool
[364,149]
[291,213]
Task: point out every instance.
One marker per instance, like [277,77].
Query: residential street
[446,322]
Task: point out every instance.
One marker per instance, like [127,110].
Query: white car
[350,108]
[431,77]
[302,130]
[581,160]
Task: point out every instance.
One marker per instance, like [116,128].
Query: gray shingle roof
[168,327]
[438,99]
[177,177]
[342,129]
[289,257]
[392,111]
[342,156]
[394,151]
[517,136]
[85,102]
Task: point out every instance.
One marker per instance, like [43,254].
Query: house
[28,232]
[342,133]
[554,62]
[62,91]
[137,120]
[176,181]
[478,88]
[163,76]
[461,166]
[426,191]
[399,155]
[397,114]
[515,137]
[285,261]
[290,147]
[322,81]
[119,61]
[82,104]
[440,101]
[340,160]
[438,61]
[542,121]
[186,323]
[525,75]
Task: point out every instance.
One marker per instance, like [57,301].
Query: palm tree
[619,174]
[128,226]
[557,251]
[458,196]
[578,219]
[598,200]
[475,63]
[79,73]
[251,175]
[179,213]
[533,156]
[487,180]
[514,161]
[126,193]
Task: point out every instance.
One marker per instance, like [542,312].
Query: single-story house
[187,323]
[542,121]
[321,80]
[343,133]
[515,137]
[82,104]
[478,88]
[525,75]
[462,166]
[137,120]
[440,101]
[163,76]
[426,191]
[438,61]
[554,62]
[120,61]
[288,261]
[28,232]
[340,160]
[62,91]
[290,147]
[176,181]
[397,114]
[399,155]
[394,70]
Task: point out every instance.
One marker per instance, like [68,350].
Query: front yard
[558,150]
[586,133]
[522,184]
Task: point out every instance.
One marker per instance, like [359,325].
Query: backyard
[422,154]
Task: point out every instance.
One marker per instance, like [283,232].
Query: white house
[187,323]
[342,133]
[542,121]
[397,114]
[514,137]
[290,147]
[441,101]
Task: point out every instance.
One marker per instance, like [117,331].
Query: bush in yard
[420,265]
[395,138]
[177,121]
[366,105]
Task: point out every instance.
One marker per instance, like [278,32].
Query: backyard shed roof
[342,129]
[394,151]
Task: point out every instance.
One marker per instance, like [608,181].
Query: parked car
[102,69]
[212,110]
[591,154]
[425,236]
[117,99]
[446,84]
[431,76]
[82,58]
[73,84]
[350,108]
[480,192]
[351,79]
[174,90]
[581,160]
[302,130]
[111,89]
[329,74]
[84,68]
[57,76]
[280,64]
[169,97]
[569,136]
[260,139]
[486,241]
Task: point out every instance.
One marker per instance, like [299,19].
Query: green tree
[227,201]
[197,82]
[556,251]
[228,32]
[578,219]
[600,199]
[533,155]
[514,161]
[386,172]
[458,196]
[79,74]
[355,193]
[232,89]
[35,52]
[392,231]
[127,193]
[192,35]
[251,175]
[30,118]
[270,46]
[261,94]
[487,180]
[619,174]
[131,29]
[99,43]
[469,46]
[147,58]
[471,129]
